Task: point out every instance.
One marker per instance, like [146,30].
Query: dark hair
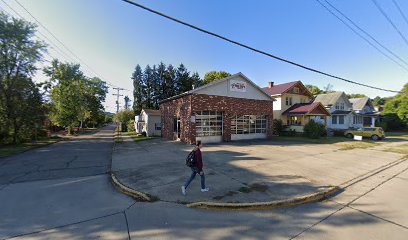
[198,143]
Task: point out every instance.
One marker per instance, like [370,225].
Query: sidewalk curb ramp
[317,196]
[129,191]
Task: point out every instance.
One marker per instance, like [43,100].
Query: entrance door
[178,129]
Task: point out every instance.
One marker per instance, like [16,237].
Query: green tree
[75,98]
[214,75]
[314,89]
[183,80]
[398,105]
[20,99]
[138,89]
[379,101]
[356,95]
[148,93]
[170,82]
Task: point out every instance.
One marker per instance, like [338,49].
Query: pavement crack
[127,224]
[66,225]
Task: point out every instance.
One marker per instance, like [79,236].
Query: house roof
[328,98]
[358,103]
[306,109]
[152,112]
[279,88]
[285,87]
[216,82]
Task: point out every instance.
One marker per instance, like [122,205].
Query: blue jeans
[193,174]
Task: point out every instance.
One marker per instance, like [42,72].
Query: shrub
[314,130]
[277,127]
[383,125]
[130,126]
[393,121]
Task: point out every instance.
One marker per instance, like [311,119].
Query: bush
[383,125]
[314,130]
[277,127]
[393,121]
[131,126]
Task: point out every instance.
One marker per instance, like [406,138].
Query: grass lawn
[396,136]
[342,142]
[11,149]
[137,138]
[403,149]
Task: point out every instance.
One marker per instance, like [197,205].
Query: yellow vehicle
[374,133]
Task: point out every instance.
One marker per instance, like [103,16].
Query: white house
[149,121]
[364,111]
[341,109]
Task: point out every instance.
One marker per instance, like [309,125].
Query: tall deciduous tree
[20,99]
[214,75]
[75,98]
[398,105]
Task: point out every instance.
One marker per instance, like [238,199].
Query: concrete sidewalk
[157,167]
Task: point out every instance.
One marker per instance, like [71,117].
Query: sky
[111,37]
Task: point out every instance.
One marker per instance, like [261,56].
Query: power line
[389,20]
[254,49]
[400,11]
[64,45]
[365,32]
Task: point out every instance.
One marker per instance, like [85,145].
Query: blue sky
[112,37]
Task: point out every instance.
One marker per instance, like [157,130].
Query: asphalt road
[63,191]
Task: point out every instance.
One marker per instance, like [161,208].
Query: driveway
[247,171]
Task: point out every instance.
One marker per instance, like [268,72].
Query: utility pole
[117,105]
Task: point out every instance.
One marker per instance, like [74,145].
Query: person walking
[197,169]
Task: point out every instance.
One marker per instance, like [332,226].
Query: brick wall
[185,106]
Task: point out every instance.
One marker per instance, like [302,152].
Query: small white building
[149,121]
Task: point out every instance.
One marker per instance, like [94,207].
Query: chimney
[270,84]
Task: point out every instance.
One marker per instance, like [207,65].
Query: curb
[268,205]
[129,191]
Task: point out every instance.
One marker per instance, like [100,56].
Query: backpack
[190,160]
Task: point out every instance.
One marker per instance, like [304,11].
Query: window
[287,101]
[294,120]
[247,124]
[157,126]
[357,120]
[341,119]
[334,119]
[340,106]
[296,90]
[209,123]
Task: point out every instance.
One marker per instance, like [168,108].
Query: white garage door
[248,127]
[209,126]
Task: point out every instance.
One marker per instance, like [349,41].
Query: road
[63,191]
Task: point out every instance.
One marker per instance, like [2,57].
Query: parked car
[374,133]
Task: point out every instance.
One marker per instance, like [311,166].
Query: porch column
[325,121]
[372,122]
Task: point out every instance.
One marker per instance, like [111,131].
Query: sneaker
[183,190]
[205,190]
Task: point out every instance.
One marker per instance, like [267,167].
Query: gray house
[149,121]
[364,111]
[341,110]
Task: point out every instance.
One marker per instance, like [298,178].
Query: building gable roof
[315,108]
[330,99]
[217,82]
[359,103]
[285,88]
[152,112]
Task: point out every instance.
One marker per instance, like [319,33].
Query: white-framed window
[334,119]
[340,106]
[296,90]
[288,101]
[208,123]
[295,120]
[341,119]
[247,124]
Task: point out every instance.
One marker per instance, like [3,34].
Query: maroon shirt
[199,160]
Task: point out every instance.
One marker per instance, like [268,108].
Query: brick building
[232,108]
